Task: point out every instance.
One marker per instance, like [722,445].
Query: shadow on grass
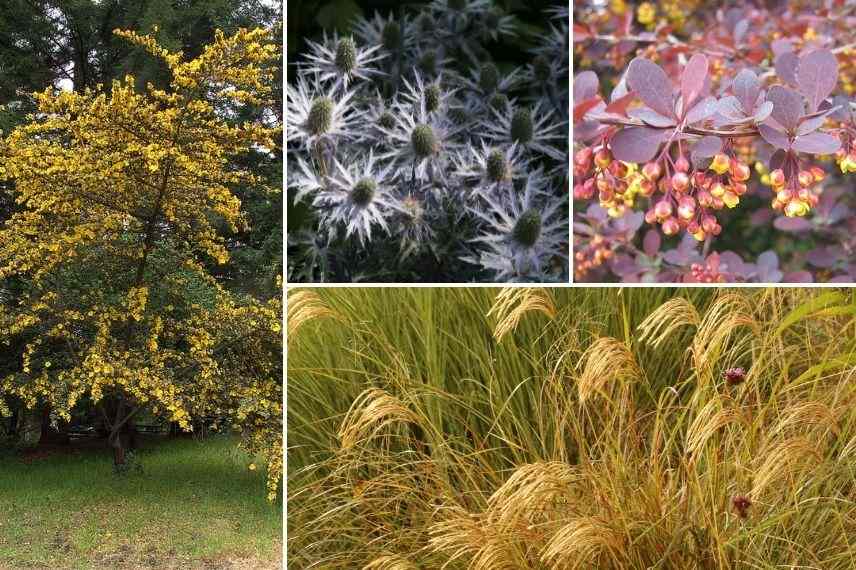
[194,501]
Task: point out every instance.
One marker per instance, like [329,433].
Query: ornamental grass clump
[430,144]
[561,429]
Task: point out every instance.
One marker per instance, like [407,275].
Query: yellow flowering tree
[113,245]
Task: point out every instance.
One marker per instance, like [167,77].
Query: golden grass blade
[531,492]
[370,413]
[390,562]
[305,306]
[512,303]
[666,319]
[712,418]
[607,359]
[586,542]
[781,461]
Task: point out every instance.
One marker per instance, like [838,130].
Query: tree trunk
[30,428]
[122,432]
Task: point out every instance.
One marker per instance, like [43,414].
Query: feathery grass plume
[372,411]
[533,492]
[586,542]
[709,420]
[513,302]
[666,319]
[804,417]
[722,321]
[304,306]
[605,360]
[502,458]
[465,536]
[390,562]
[781,462]
[458,534]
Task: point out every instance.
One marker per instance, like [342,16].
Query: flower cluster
[422,157]
[706,126]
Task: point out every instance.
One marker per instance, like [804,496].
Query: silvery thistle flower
[413,224]
[486,80]
[459,8]
[341,60]
[392,33]
[561,13]
[524,232]
[429,60]
[358,196]
[431,94]
[313,115]
[421,143]
[555,46]
[377,116]
[533,129]
[488,167]
[304,178]
[493,24]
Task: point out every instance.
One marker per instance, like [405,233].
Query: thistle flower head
[489,77]
[341,61]
[534,129]
[392,35]
[523,231]
[358,196]
[363,191]
[521,128]
[320,115]
[346,55]
[314,113]
[423,140]
[527,228]
[734,376]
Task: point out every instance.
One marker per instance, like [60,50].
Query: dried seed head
[497,166]
[432,97]
[522,128]
[527,230]
[741,504]
[391,35]
[489,77]
[423,140]
[363,191]
[734,376]
[320,116]
[346,55]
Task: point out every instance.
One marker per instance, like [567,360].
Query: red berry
[777,177]
[739,171]
[680,181]
[652,171]
[663,209]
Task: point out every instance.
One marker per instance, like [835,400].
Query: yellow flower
[646,13]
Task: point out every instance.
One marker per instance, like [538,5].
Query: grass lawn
[195,505]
